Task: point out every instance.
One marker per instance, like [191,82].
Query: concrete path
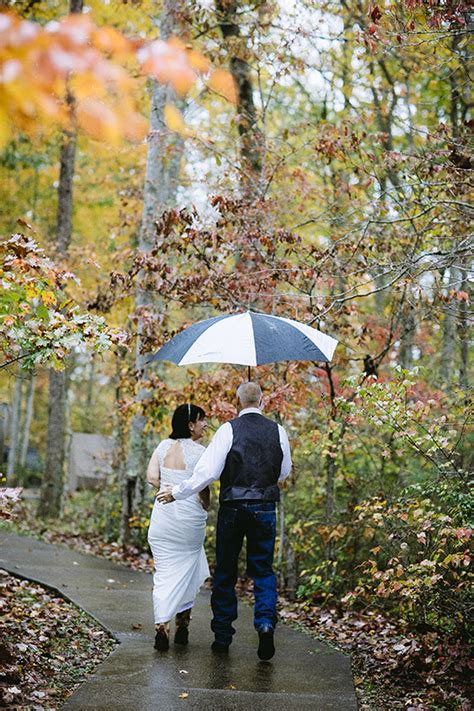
[304,674]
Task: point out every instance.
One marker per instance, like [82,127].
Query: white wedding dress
[176,537]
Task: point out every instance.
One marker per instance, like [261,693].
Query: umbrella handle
[249,374]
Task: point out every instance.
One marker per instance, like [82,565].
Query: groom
[251,456]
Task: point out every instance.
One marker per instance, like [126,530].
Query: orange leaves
[170,63]
[222,83]
[38,65]
[41,66]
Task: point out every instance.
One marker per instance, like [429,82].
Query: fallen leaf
[183,695]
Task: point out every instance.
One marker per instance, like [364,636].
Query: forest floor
[49,646]
[393,667]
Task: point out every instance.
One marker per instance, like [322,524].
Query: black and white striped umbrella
[247,339]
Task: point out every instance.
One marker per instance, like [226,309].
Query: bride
[176,533]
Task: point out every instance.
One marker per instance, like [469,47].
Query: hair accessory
[189,412]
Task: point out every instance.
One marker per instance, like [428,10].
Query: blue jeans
[257,522]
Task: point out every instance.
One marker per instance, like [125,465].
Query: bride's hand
[165,496]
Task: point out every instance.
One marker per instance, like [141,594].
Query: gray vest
[253,464]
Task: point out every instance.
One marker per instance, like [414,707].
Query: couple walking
[251,457]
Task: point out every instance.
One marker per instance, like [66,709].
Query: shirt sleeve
[210,465]
[286,461]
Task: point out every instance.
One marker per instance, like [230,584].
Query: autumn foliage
[42,69]
[353,216]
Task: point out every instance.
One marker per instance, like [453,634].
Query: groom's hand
[165,496]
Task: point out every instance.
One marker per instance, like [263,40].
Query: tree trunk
[291,573]
[3,431]
[30,393]
[406,339]
[281,546]
[14,428]
[463,330]
[165,149]
[449,336]
[51,491]
[251,138]
[90,386]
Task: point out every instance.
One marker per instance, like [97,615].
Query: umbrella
[247,339]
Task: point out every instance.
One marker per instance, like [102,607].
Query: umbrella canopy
[247,339]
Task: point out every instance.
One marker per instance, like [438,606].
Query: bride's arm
[153,471]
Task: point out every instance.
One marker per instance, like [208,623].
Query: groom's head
[250,395]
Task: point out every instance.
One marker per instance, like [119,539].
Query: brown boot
[182,623]
[162,638]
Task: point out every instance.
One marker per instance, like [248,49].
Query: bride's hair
[182,416]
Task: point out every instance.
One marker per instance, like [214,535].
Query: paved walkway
[304,674]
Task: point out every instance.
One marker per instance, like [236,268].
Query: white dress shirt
[210,466]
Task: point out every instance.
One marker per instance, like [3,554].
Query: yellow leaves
[183,695]
[222,83]
[174,119]
[4,127]
[30,291]
[49,298]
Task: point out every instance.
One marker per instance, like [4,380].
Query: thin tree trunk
[14,428]
[281,545]
[51,491]
[67,447]
[3,431]
[90,386]
[330,464]
[30,394]
[251,138]
[449,336]
[165,149]
[291,573]
[406,339]
[463,331]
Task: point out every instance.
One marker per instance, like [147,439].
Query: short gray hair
[249,394]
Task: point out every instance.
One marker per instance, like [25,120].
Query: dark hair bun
[182,416]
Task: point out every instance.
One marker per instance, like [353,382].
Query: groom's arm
[209,467]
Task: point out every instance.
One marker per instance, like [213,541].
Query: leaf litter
[49,646]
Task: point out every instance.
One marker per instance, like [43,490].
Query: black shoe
[181,635]
[162,643]
[266,648]
[220,648]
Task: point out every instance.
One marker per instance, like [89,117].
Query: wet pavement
[304,674]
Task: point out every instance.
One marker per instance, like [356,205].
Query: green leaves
[39,322]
